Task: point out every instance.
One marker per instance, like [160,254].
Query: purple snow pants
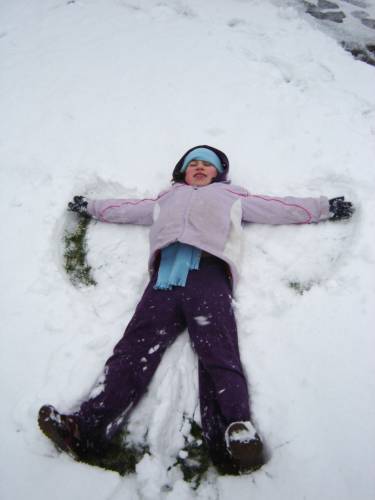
[204,307]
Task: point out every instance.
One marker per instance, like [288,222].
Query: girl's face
[200,173]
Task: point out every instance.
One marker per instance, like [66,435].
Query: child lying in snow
[194,258]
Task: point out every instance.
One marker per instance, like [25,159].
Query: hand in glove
[79,205]
[340,209]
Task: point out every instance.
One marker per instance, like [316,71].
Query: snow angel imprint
[194,267]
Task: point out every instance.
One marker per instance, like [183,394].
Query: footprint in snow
[232,23]
[164,11]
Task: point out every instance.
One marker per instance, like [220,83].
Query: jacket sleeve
[123,211]
[284,210]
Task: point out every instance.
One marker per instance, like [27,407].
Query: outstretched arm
[284,210]
[291,210]
[124,211]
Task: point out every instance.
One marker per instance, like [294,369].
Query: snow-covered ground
[102,97]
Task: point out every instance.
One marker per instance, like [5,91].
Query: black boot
[245,446]
[63,431]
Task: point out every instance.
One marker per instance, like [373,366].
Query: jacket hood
[179,177]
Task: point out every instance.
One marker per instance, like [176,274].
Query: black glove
[79,205]
[340,209]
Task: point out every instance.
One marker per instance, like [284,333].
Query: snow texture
[243,435]
[101,98]
[202,320]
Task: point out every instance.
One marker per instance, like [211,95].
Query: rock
[324,4]
[370,23]
[358,3]
[313,10]
[365,53]
[353,34]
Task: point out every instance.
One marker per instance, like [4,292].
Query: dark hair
[179,176]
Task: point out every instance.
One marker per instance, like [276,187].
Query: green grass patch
[193,459]
[75,254]
[121,456]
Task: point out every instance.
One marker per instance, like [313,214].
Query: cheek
[213,173]
[188,177]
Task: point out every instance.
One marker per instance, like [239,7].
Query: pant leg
[224,396]
[157,321]
[213,422]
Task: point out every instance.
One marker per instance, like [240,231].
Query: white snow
[154,349]
[101,98]
[245,434]
[202,320]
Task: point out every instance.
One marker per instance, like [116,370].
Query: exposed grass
[193,459]
[75,254]
[121,456]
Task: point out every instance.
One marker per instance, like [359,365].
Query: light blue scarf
[176,261]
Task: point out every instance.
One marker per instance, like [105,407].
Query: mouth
[199,174]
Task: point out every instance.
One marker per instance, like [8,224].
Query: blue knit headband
[203,154]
